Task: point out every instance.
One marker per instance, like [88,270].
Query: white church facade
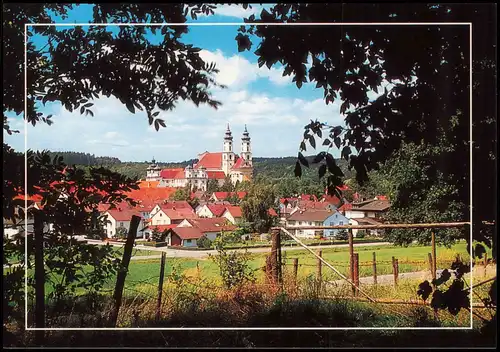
[216,166]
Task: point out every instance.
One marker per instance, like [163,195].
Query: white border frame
[241,24]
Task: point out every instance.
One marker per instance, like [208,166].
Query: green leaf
[322,170]
[303,146]
[130,107]
[303,160]
[336,140]
[326,142]
[298,170]
[312,142]
[346,151]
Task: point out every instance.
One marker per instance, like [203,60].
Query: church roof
[172,173]
[218,175]
[210,161]
[239,164]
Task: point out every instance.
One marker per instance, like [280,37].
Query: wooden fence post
[295,270]
[279,261]
[160,285]
[351,258]
[356,273]
[274,256]
[374,266]
[122,274]
[395,270]
[434,257]
[318,272]
[485,262]
[39,277]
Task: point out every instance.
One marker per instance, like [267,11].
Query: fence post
[434,257]
[318,272]
[295,270]
[356,273]
[395,270]
[485,262]
[374,265]
[122,274]
[39,277]
[160,285]
[279,261]
[274,256]
[351,258]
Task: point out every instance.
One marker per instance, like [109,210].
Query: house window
[331,223]
[160,214]
[301,232]
[121,224]
[341,223]
[111,232]
[188,241]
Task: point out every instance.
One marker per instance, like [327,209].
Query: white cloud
[274,120]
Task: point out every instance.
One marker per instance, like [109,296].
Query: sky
[272,107]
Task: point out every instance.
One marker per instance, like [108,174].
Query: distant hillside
[279,169]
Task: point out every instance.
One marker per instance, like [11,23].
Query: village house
[211,210]
[315,217]
[167,216]
[187,233]
[117,218]
[233,213]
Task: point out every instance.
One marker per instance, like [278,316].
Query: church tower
[246,150]
[227,152]
[153,172]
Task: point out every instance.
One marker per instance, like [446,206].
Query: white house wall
[205,212]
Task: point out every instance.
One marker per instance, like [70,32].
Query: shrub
[158,236]
[121,232]
[204,242]
[342,235]
[361,234]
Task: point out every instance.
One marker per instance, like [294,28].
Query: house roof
[310,215]
[176,204]
[180,214]
[162,228]
[210,161]
[187,233]
[123,215]
[170,174]
[331,199]
[367,221]
[235,211]
[225,195]
[151,195]
[345,206]
[148,184]
[376,205]
[240,164]
[216,209]
[212,224]
[217,175]
[272,212]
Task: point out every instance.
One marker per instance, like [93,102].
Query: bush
[121,232]
[158,236]
[361,234]
[204,242]
[342,235]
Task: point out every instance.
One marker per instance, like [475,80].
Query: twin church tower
[218,166]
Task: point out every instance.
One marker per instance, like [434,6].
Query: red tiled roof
[187,233]
[381,197]
[217,175]
[176,173]
[238,163]
[311,215]
[367,221]
[176,204]
[151,195]
[212,224]
[180,214]
[148,184]
[308,197]
[122,215]
[210,161]
[235,211]
[272,212]
[225,195]
[217,209]
[376,205]
[331,199]
[162,228]
[346,206]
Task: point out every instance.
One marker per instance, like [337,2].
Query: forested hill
[267,168]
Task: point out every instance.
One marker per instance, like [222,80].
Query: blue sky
[271,106]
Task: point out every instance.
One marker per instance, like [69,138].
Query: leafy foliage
[255,208]
[204,242]
[233,266]
[342,235]
[157,235]
[121,232]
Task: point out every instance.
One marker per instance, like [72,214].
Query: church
[216,166]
